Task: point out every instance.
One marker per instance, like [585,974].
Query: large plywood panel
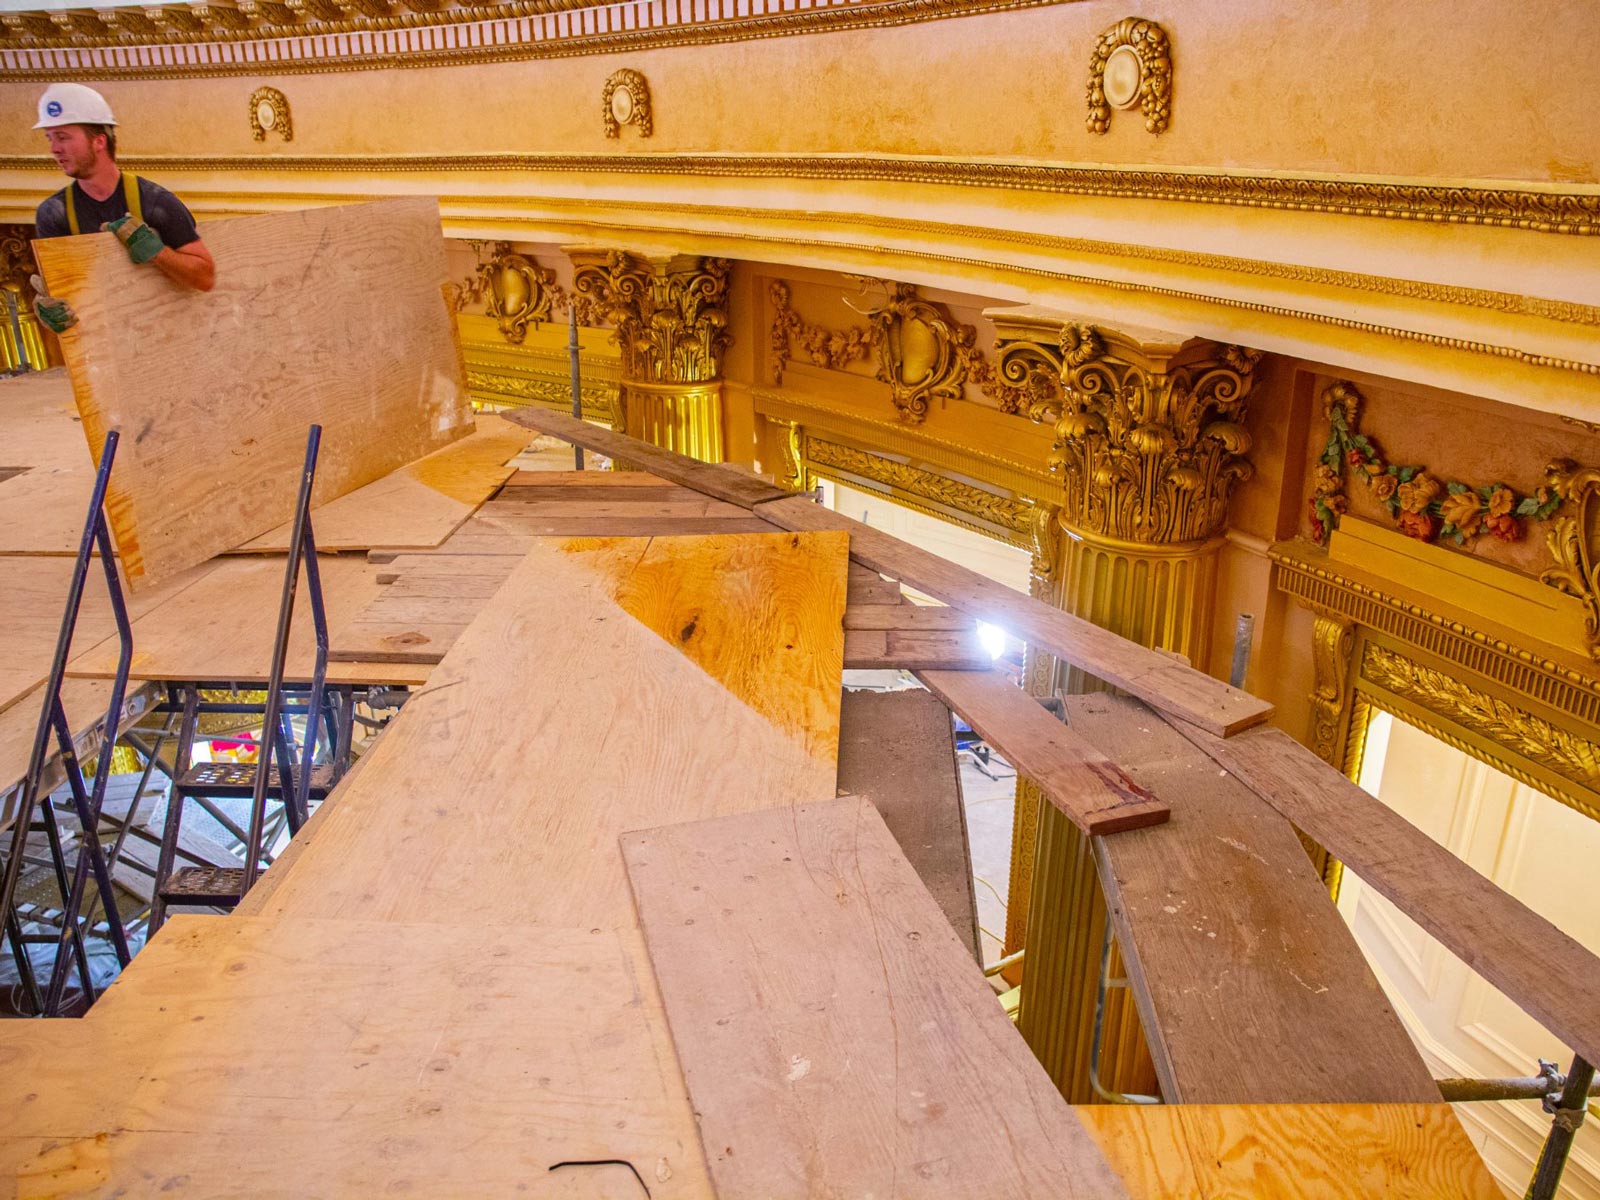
[835,1033]
[330,315]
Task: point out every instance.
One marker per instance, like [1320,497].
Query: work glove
[55,315]
[143,243]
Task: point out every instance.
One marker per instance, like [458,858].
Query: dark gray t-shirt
[163,212]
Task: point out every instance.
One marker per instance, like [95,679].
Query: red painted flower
[1419,525]
[1354,457]
[1506,528]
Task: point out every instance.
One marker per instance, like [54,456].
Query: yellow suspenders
[130,197]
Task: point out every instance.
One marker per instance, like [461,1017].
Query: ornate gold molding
[791,454]
[16,257]
[1507,726]
[514,290]
[1574,541]
[832,348]
[1131,64]
[550,390]
[923,354]
[269,113]
[1012,515]
[1149,441]
[669,313]
[1332,641]
[625,100]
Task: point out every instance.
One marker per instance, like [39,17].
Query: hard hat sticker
[53,108]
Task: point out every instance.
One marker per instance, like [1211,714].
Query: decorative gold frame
[1153,48]
[632,87]
[282,120]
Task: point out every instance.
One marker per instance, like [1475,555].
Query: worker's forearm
[191,270]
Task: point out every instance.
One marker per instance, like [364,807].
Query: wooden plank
[557,525]
[713,479]
[603,493]
[221,627]
[868,587]
[586,479]
[876,649]
[607,685]
[912,617]
[1337,1151]
[331,315]
[835,1034]
[1190,900]
[418,505]
[1092,791]
[1157,679]
[897,751]
[329,1058]
[1548,974]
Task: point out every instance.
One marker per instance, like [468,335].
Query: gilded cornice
[1542,210]
[69,37]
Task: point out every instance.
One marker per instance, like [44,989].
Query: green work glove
[143,243]
[55,315]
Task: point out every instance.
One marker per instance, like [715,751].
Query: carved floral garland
[1423,505]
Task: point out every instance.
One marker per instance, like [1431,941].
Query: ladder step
[214,887]
[238,780]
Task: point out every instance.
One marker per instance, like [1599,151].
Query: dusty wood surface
[720,480]
[417,505]
[1231,941]
[1093,792]
[42,509]
[330,315]
[835,1034]
[221,627]
[1330,1151]
[1157,679]
[650,680]
[1551,976]
[897,751]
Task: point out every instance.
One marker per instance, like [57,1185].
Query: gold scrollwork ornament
[625,100]
[269,113]
[1574,541]
[922,353]
[1131,65]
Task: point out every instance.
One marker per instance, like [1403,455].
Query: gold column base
[684,417]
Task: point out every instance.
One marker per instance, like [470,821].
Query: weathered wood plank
[1093,792]
[1157,679]
[879,649]
[1231,941]
[897,751]
[1551,976]
[720,480]
[911,617]
[835,1034]
[331,315]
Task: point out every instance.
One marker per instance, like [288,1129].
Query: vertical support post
[1568,1113]
[577,377]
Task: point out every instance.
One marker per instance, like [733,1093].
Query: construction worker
[150,221]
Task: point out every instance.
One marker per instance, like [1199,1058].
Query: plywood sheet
[43,508]
[330,315]
[897,751]
[607,685]
[836,1036]
[330,1058]
[221,627]
[1231,941]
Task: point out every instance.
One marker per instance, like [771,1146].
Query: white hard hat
[73,104]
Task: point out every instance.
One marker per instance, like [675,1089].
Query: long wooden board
[330,315]
[1158,679]
[1231,941]
[835,1034]
[418,505]
[1551,976]
[1093,792]
[607,685]
[897,751]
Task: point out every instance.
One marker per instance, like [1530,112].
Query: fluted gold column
[671,328]
[1148,446]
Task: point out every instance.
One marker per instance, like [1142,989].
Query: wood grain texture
[330,315]
[720,480]
[835,1034]
[328,1058]
[897,751]
[417,505]
[1089,789]
[1550,975]
[1337,1151]
[1155,678]
[1231,941]
[559,719]
[42,510]
[221,626]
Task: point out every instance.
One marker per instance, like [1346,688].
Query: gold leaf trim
[1013,515]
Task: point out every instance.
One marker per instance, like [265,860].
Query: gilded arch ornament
[625,100]
[1131,65]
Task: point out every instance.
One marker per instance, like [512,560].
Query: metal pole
[1241,648]
[16,333]
[1568,1113]
[577,380]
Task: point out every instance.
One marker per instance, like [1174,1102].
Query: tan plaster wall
[1472,89]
